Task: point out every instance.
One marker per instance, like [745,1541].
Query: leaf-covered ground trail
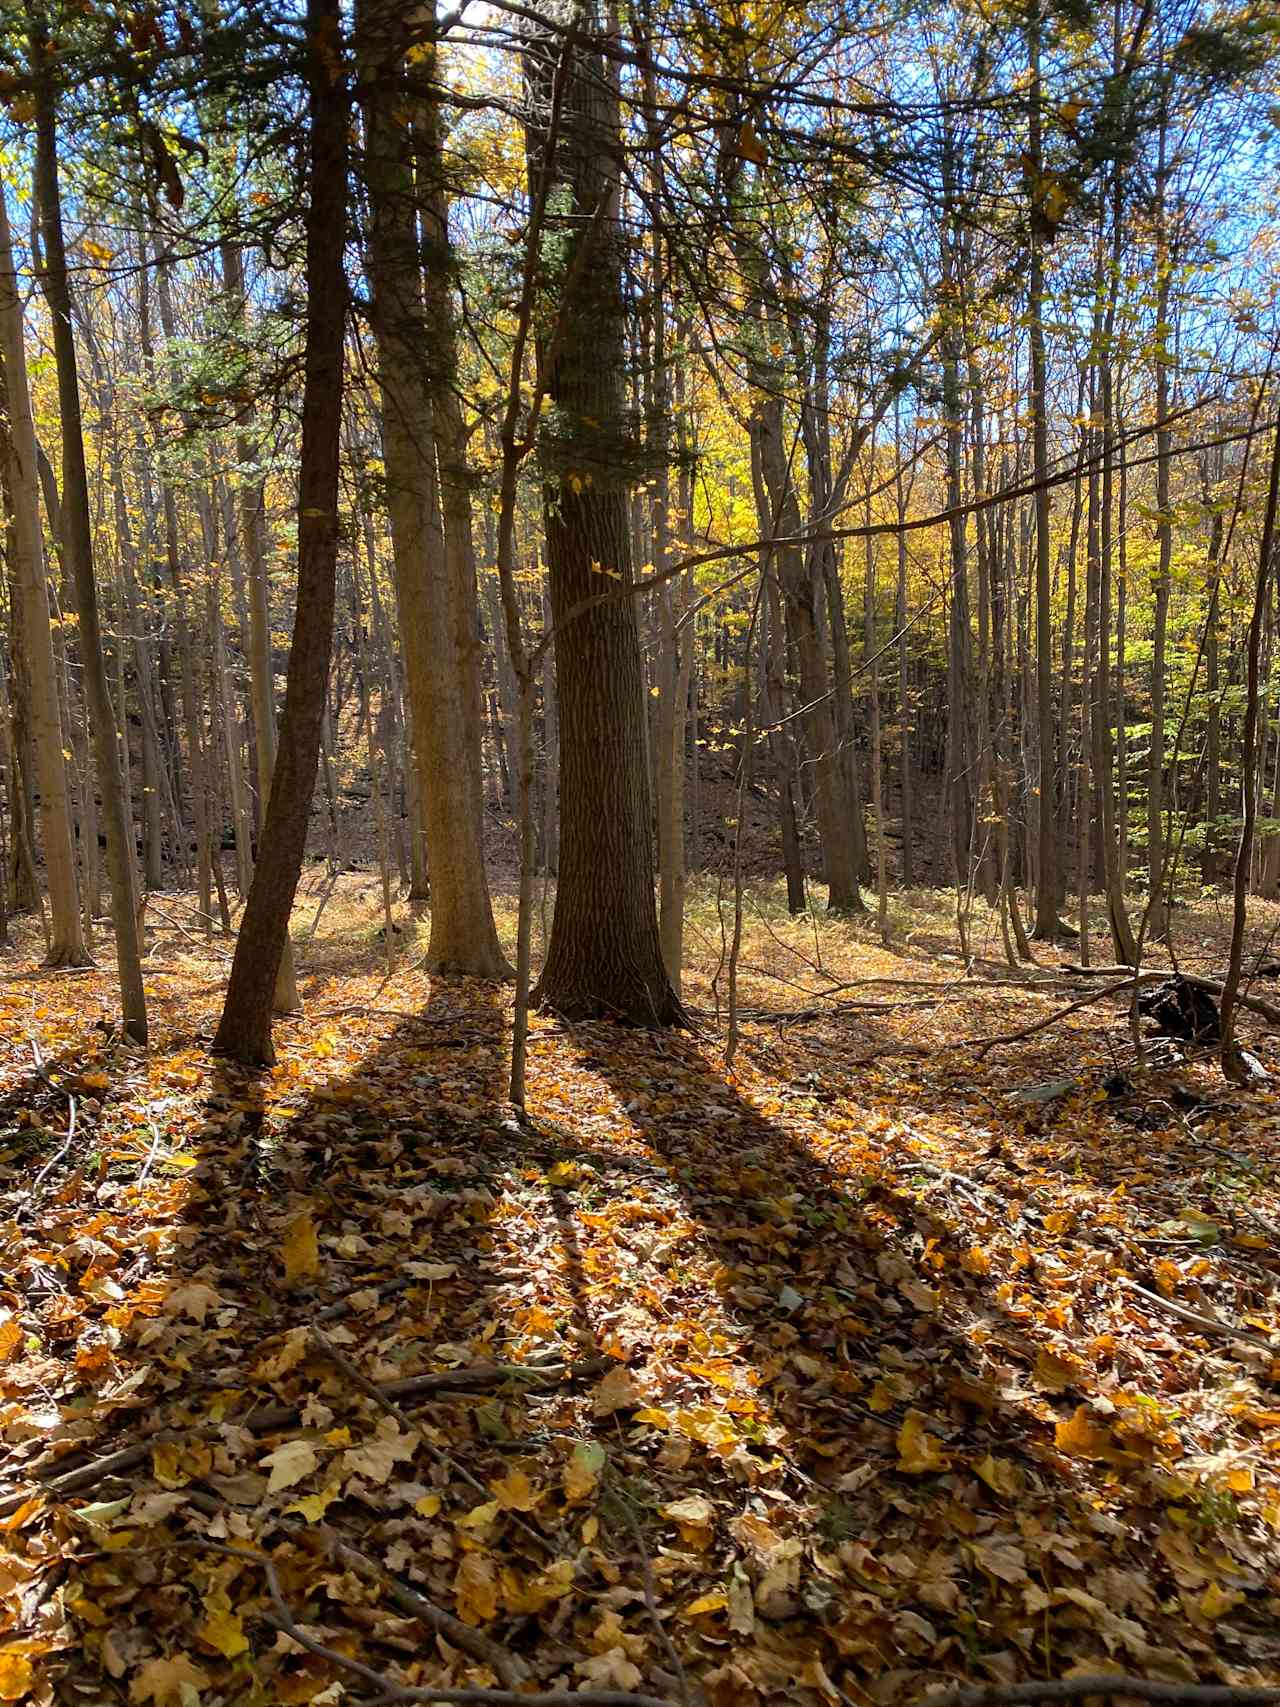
[872,1366]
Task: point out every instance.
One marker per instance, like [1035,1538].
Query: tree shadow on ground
[828,1452]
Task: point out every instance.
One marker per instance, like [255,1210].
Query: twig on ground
[1210,1324]
[388,1689]
[371,1390]
[1106,1684]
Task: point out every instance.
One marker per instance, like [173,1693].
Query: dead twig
[357,1376]
[1210,1324]
[1107,1684]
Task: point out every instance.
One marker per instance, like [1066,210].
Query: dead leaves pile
[796,1383]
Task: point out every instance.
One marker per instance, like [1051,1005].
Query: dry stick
[1112,1684]
[388,1689]
[1210,1324]
[354,1373]
[274,1417]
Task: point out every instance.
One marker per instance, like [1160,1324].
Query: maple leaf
[583,1471]
[616,1392]
[376,1458]
[475,1589]
[290,1463]
[301,1250]
[17,1676]
[222,1628]
[195,1299]
[919,1452]
[169,1682]
[1082,1438]
[515,1492]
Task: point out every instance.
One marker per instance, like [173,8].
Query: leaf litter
[839,1377]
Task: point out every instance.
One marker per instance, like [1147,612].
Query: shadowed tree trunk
[604,956]
[244,1031]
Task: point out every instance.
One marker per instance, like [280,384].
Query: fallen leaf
[290,1463]
[617,1392]
[919,1452]
[301,1250]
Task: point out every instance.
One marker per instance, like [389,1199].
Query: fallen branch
[1077,1688]
[357,1376]
[388,1689]
[272,1417]
[1210,1324]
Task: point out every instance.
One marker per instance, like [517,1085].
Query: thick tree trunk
[78,546]
[605,955]
[435,571]
[31,598]
[244,1031]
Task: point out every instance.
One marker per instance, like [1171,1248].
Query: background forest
[648,639]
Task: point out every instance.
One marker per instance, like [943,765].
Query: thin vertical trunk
[262,686]
[244,1031]
[66,945]
[78,545]
[1046,920]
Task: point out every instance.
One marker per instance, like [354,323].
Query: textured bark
[434,565]
[31,590]
[244,1031]
[1047,926]
[604,956]
[78,546]
[262,685]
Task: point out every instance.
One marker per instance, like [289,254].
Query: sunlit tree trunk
[78,545]
[244,1031]
[31,599]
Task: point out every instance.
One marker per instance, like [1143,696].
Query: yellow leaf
[166,1464]
[713,1602]
[479,1517]
[1215,1600]
[476,1589]
[301,1250]
[919,1452]
[515,1492]
[313,1506]
[290,1463]
[1240,1481]
[999,1474]
[428,1505]
[16,1677]
[617,1392]
[95,1081]
[1054,1371]
[222,1628]
[1082,1438]
[583,1471]
[653,1416]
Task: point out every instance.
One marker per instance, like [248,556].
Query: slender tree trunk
[78,545]
[262,682]
[244,1031]
[1046,919]
[31,600]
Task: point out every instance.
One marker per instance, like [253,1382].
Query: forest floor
[876,1364]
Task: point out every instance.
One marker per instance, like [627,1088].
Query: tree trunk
[78,546]
[435,572]
[31,599]
[244,1031]
[605,955]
